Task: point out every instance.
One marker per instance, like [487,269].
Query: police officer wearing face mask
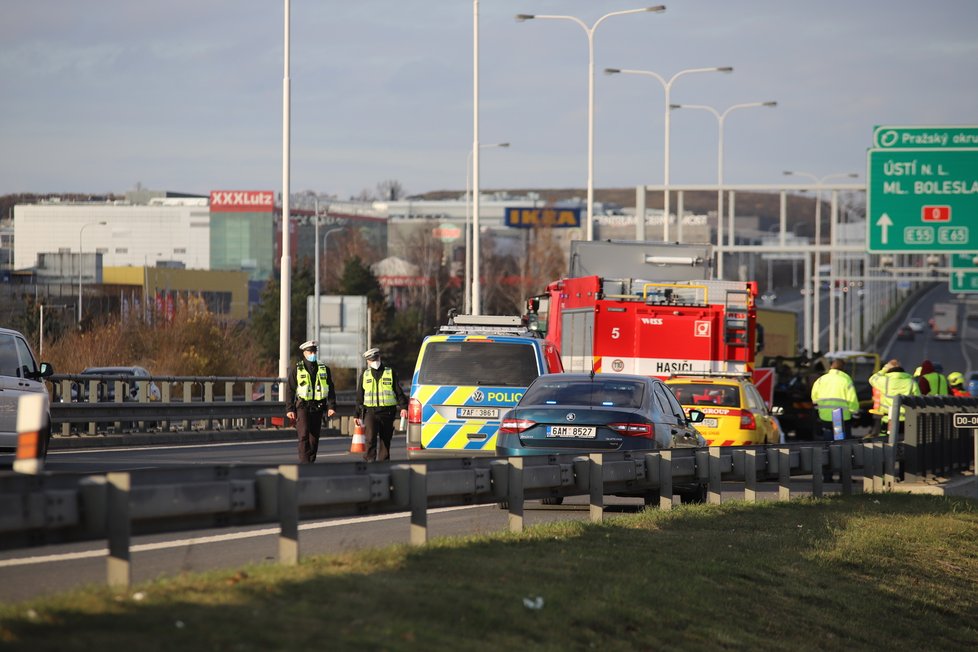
[311,393]
[379,401]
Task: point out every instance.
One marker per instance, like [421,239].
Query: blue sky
[187,95]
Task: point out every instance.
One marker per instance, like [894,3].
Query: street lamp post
[815,295]
[285,266]
[80,266]
[667,88]
[589,31]
[721,119]
[325,252]
[472,285]
[473,305]
[316,263]
[40,339]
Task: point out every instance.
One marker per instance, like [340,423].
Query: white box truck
[944,323]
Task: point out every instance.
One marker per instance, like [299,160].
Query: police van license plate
[477,413]
[583,432]
[709,423]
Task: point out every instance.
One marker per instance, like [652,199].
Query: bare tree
[390,190]
[510,279]
[364,196]
[435,294]
[545,261]
[499,274]
[344,245]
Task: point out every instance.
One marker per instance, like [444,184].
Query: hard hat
[955,378]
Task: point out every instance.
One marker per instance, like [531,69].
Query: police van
[469,374]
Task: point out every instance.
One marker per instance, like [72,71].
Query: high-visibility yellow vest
[938,384]
[891,385]
[305,389]
[379,393]
[835,390]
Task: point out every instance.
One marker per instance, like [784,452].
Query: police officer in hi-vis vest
[311,393]
[379,401]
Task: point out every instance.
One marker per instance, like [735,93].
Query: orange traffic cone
[359,443]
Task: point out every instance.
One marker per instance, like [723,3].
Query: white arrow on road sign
[884,222]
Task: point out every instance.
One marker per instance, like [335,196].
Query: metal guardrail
[145,416]
[932,447]
[57,508]
[234,401]
[247,388]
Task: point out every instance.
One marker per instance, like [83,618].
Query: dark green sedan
[592,413]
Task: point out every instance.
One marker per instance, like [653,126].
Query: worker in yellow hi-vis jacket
[833,390]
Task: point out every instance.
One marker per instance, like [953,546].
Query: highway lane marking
[218,538]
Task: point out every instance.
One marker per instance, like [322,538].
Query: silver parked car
[129,376]
[20,375]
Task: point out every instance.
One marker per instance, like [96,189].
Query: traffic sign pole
[965,420]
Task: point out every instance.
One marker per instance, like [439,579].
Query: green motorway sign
[922,200]
[964,273]
[916,137]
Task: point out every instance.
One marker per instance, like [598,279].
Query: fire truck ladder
[675,293]
[736,305]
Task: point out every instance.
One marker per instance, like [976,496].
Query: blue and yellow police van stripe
[443,427]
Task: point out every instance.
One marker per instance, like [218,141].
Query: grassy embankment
[862,572]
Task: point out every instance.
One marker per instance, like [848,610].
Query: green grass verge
[867,572]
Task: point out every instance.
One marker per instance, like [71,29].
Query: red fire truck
[649,328]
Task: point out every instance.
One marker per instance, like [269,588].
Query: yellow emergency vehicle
[736,415]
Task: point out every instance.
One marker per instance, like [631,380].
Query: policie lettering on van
[463,384]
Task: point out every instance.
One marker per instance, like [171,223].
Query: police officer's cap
[371,354]
[311,345]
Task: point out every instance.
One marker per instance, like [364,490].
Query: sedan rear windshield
[481,362]
[626,394]
[693,394]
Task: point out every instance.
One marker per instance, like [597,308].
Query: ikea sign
[528,218]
